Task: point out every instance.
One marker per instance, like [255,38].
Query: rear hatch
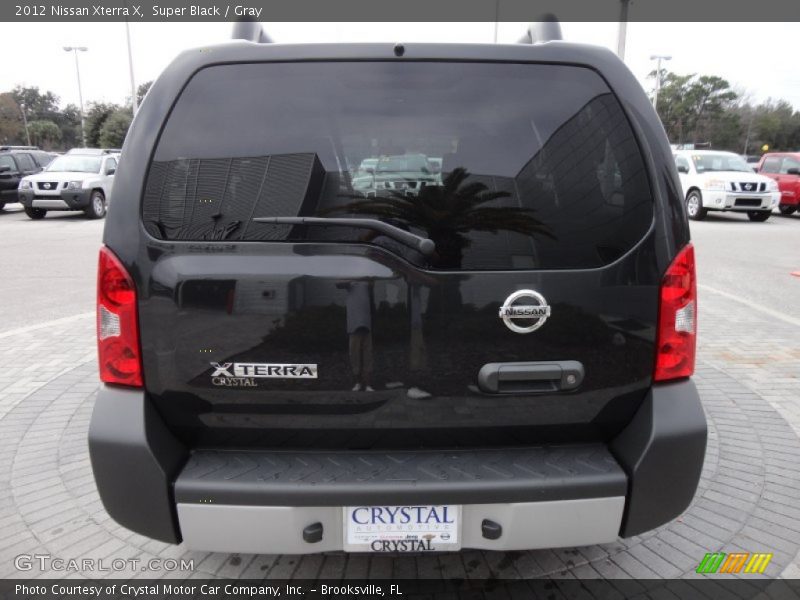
[533,320]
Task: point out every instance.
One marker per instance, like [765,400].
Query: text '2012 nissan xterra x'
[486,343]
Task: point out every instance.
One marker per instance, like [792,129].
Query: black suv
[15,163]
[500,360]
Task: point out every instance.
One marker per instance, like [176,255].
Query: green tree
[691,106]
[12,131]
[114,129]
[726,131]
[142,90]
[95,119]
[44,133]
[44,106]
[38,105]
[69,121]
[776,124]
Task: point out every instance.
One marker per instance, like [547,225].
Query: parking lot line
[53,323]
[754,305]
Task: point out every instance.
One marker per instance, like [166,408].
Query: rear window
[503,166]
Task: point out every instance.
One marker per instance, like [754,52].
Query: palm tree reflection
[448,213]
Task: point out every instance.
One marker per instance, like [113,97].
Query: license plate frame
[405,528]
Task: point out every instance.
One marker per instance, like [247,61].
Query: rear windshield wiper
[422,244]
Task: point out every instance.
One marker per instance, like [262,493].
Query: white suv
[81,179]
[714,180]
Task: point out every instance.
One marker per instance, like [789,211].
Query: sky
[735,51]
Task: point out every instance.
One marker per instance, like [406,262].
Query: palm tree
[447,213]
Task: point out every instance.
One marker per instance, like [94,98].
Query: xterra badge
[244,374]
[538,311]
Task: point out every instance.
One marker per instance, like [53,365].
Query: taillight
[676,338]
[117,328]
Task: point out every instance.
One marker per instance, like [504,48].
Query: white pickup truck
[714,180]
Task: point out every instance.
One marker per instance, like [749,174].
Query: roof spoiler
[252,31]
[546,30]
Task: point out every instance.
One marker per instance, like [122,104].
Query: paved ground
[47,267]
[751,260]
[748,374]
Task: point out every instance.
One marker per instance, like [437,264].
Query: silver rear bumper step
[279,529]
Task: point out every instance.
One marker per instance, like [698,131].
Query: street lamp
[658,58]
[134,99]
[25,120]
[75,50]
[622,28]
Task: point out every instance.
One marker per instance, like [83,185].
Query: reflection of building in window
[588,183]
[193,198]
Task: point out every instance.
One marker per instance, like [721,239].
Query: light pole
[134,99]
[622,28]
[75,50]
[658,58]
[25,121]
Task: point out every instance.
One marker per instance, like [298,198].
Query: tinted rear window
[504,166]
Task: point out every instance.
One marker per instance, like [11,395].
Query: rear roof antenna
[251,31]
[546,30]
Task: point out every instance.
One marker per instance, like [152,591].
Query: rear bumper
[260,502]
[278,529]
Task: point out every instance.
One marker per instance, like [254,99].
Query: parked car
[715,180]
[15,163]
[405,174]
[784,169]
[503,361]
[81,179]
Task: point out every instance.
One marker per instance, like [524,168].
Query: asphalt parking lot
[748,373]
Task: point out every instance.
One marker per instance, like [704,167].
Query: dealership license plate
[405,528]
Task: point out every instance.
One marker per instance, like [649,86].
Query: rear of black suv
[489,348]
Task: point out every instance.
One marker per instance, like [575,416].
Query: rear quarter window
[504,166]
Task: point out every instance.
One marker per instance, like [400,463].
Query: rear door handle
[530,377]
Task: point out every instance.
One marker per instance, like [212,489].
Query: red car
[783,167]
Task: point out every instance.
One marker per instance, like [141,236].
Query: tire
[97,206]
[694,206]
[758,215]
[35,213]
[787,209]
[2,205]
